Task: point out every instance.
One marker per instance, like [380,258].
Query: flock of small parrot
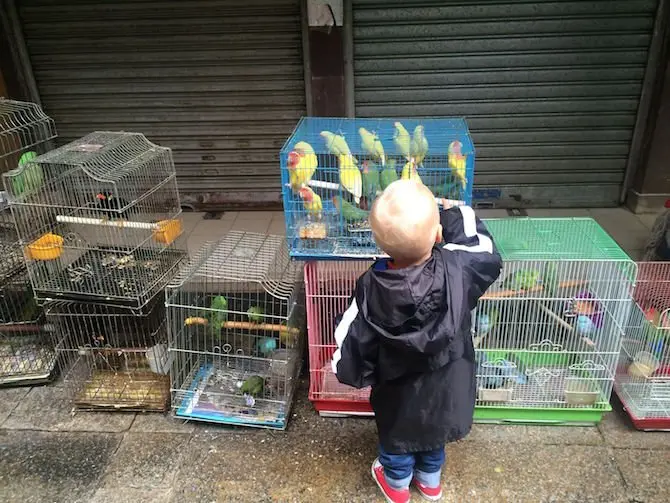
[365,181]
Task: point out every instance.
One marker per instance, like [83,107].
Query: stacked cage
[102,235]
[27,355]
[547,334]
[643,374]
[333,169]
[235,318]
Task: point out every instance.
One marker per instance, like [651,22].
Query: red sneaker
[428,493]
[392,495]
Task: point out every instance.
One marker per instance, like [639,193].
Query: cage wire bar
[236,319]
[112,358]
[547,334]
[27,355]
[333,169]
[643,374]
[328,288]
[101,221]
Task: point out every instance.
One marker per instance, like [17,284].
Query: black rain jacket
[407,334]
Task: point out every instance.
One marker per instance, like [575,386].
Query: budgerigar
[522,280]
[312,202]
[302,164]
[457,162]
[419,145]
[350,176]
[409,172]
[335,143]
[402,140]
[372,145]
[388,174]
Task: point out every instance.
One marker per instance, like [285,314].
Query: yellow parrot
[312,202]
[350,176]
[302,164]
[457,162]
[409,172]
[335,143]
[419,145]
[402,140]
[372,145]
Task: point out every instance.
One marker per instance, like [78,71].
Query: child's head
[405,222]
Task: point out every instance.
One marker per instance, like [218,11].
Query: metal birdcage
[111,357]
[547,334]
[328,289]
[26,352]
[100,220]
[643,374]
[333,169]
[235,318]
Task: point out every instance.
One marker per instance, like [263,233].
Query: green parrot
[524,279]
[255,314]
[253,386]
[371,183]
[372,145]
[449,190]
[336,144]
[418,147]
[220,316]
[349,212]
[28,179]
[550,278]
[388,174]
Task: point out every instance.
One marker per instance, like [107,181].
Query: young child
[406,333]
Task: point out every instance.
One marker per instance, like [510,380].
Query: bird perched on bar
[111,205]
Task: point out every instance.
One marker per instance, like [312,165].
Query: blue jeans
[425,466]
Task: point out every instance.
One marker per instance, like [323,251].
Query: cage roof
[23,121]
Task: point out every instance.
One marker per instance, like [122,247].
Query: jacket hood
[410,308]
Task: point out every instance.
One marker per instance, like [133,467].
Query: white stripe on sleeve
[470,229]
[342,330]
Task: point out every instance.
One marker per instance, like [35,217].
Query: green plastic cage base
[546,416]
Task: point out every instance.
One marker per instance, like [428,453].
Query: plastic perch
[65,219]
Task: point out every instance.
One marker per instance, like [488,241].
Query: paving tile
[626,229]
[522,472]
[277,228]
[145,460]
[194,243]
[619,433]
[645,473]
[37,467]
[256,215]
[550,435]
[160,423]
[212,229]
[50,408]
[9,399]
[247,225]
[124,494]
[558,212]
[647,220]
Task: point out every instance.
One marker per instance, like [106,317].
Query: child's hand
[446,203]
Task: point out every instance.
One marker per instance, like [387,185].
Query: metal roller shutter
[220,82]
[550,89]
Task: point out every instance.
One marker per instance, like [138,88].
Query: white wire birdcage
[101,220]
[112,358]
[235,318]
[328,289]
[547,334]
[643,374]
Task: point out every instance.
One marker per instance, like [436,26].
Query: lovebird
[402,140]
[220,316]
[350,176]
[372,145]
[255,314]
[371,182]
[418,147]
[524,279]
[312,202]
[409,172]
[456,162]
[584,325]
[388,174]
[336,144]
[349,212]
[253,386]
[302,164]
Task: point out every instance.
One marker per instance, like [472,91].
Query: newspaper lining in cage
[643,374]
[102,221]
[333,169]
[235,318]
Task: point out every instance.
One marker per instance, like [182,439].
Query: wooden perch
[265,327]
[516,293]
[19,328]
[555,317]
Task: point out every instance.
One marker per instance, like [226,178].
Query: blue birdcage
[334,168]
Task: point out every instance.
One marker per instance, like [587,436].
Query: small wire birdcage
[328,289]
[112,358]
[643,374]
[333,169]
[547,334]
[100,220]
[235,318]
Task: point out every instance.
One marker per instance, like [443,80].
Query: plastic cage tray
[340,229]
[91,278]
